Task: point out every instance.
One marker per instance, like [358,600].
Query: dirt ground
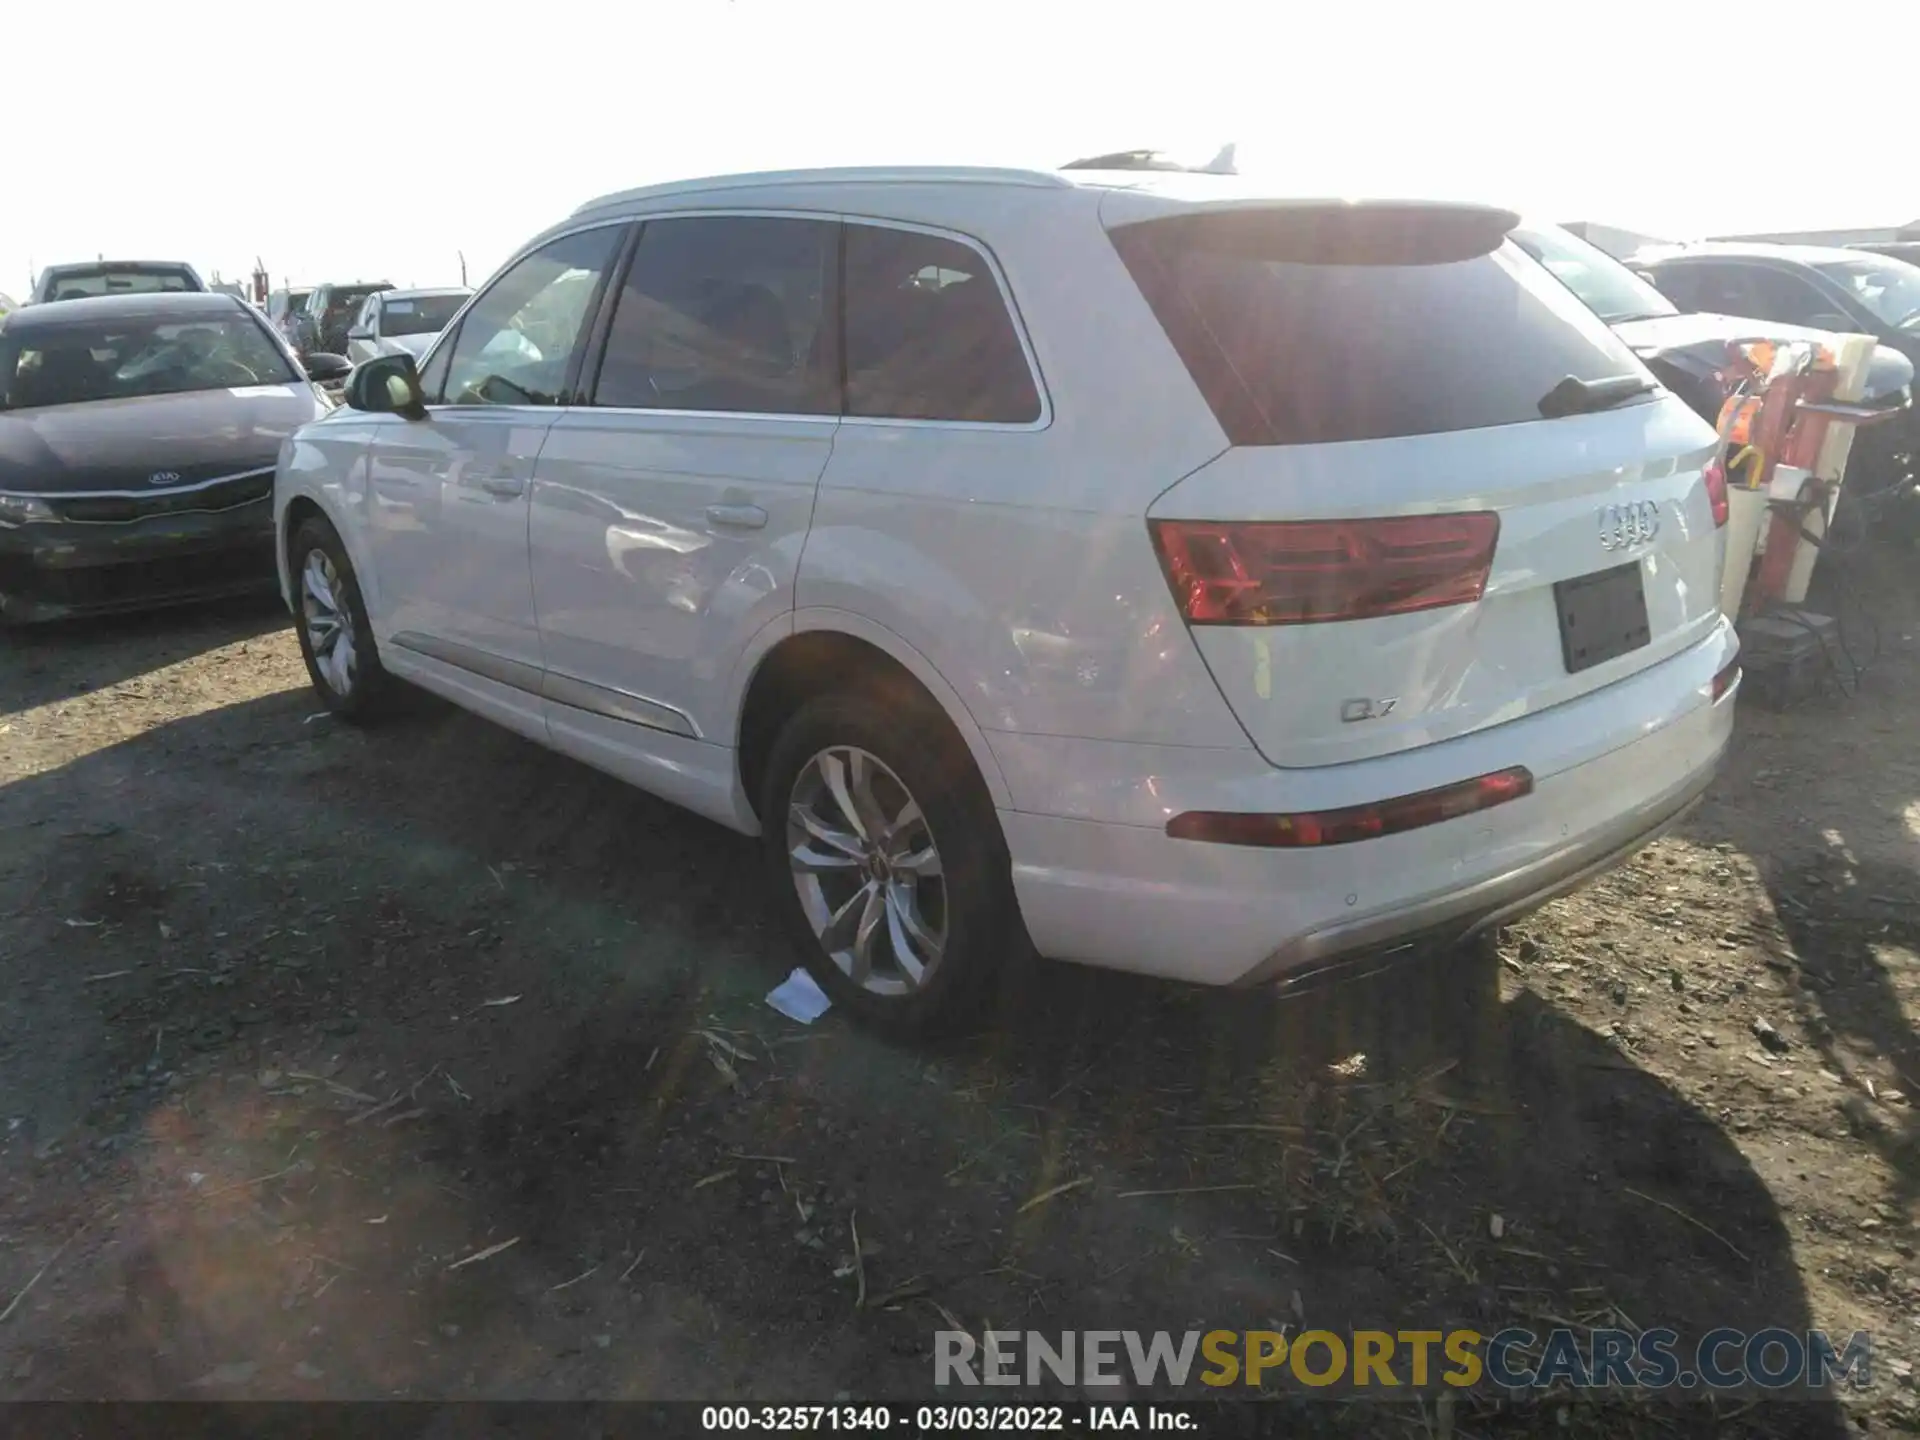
[423,1063]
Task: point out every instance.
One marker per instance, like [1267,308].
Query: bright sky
[343,144]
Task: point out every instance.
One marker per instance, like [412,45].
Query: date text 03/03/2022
[924,1419]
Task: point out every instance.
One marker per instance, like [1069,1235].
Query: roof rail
[842,175]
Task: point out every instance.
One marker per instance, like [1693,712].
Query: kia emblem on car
[1624,526]
[164,477]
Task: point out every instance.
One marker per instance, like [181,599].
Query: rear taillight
[1298,572]
[1724,681]
[1357,822]
[1714,477]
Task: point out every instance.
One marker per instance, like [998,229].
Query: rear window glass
[420,315]
[83,284]
[1297,352]
[345,301]
[928,336]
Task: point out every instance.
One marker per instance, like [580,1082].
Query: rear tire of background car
[330,617]
[889,869]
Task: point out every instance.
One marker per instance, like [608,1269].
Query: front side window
[72,364]
[928,334]
[1888,289]
[515,344]
[727,313]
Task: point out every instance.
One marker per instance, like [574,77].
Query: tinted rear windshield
[79,284]
[1289,349]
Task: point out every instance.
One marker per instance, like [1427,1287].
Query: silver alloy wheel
[329,624]
[868,871]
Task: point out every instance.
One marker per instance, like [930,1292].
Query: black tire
[984,935]
[369,692]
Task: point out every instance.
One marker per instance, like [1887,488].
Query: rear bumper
[1455,916]
[57,570]
[1612,771]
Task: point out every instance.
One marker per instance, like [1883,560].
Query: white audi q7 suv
[1166,572]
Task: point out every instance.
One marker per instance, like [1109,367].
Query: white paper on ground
[798,998]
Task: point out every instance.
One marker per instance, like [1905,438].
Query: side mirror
[360,332]
[322,367]
[387,385]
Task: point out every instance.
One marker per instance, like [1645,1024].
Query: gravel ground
[420,1062]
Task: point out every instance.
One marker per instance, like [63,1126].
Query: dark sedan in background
[138,437]
[1907,250]
[1689,352]
[1824,288]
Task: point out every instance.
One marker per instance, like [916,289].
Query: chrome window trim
[778,416]
[979,247]
[140,494]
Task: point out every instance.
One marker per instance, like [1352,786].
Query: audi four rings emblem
[1624,526]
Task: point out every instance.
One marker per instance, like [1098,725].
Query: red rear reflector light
[1299,572]
[1714,477]
[1357,822]
[1724,681]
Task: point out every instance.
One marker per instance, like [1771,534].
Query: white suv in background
[1190,578]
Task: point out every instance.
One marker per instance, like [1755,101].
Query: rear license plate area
[1602,616]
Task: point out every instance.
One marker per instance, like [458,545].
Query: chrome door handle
[744,517]
[507,487]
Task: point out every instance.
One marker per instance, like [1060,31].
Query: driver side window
[516,340]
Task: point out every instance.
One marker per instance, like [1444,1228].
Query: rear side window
[729,313]
[1750,291]
[1302,327]
[1679,283]
[928,335]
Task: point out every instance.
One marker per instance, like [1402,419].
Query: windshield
[71,364]
[79,284]
[1602,283]
[1890,289]
[418,314]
